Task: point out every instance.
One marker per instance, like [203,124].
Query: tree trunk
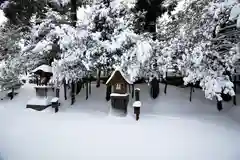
[65,89]
[73,93]
[74,12]
[235,89]
[98,78]
[137,95]
[79,87]
[90,89]
[132,90]
[37,81]
[12,93]
[57,92]
[154,88]
[165,88]
[86,90]
[219,105]
[191,90]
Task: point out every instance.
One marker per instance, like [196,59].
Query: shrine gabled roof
[118,69]
[44,68]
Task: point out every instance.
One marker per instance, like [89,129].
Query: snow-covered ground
[170,127]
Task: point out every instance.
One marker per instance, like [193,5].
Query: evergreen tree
[188,37]
[21,11]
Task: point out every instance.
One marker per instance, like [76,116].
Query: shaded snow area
[170,128]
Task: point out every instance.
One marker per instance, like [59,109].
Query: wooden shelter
[119,82]
[119,87]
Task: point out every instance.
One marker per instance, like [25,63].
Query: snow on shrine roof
[118,69]
[118,95]
[44,68]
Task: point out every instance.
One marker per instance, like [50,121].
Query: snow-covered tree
[113,40]
[20,12]
[54,41]
[11,65]
[9,72]
[189,36]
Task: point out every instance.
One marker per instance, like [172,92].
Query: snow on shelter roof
[44,68]
[118,69]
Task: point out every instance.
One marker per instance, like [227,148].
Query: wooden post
[136,105]
[165,88]
[219,105]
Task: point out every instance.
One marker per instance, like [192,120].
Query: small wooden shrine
[119,90]
[119,82]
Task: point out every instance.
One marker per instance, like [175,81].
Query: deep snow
[170,127]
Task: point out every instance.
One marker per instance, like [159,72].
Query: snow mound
[235,12]
[39,101]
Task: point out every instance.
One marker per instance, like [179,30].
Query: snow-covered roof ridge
[44,68]
[119,69]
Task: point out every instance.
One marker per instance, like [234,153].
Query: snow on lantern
[44,72]
[44,92]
